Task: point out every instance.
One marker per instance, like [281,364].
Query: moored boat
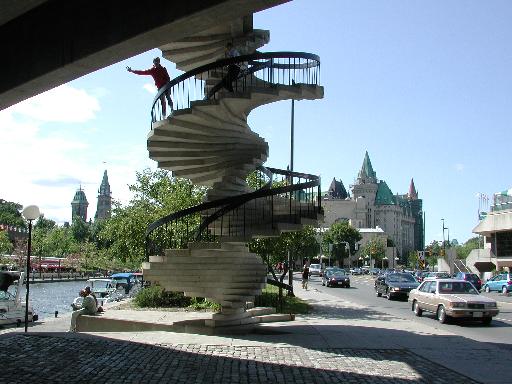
[12,310]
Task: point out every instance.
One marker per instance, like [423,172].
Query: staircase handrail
[250,59]
[236,201]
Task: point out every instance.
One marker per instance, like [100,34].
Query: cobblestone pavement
[71,358]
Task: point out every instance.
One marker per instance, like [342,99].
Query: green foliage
[10,214]
[200,303]
[336,235]
[375,248]
[270,298]
[5,244]
[300,243]
[156,297]
[80,230]
[156,194]
[464,249]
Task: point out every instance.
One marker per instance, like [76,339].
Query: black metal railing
[284,198]
[264,70]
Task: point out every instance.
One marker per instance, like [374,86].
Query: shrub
[201,303]
[155,296]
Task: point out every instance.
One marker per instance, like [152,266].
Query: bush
[201,303]
[156,297]
[290,304]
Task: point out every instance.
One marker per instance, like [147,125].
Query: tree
[80,230]
[156,194]
[375,248]
[5,244]
[10,214]
[464,249]
[336,235]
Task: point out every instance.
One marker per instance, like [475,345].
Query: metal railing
[263,70]
[287,198]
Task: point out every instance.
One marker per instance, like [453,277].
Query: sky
[424,87]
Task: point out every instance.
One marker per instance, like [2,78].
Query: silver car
[452,298]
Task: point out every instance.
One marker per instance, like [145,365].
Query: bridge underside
[48,43]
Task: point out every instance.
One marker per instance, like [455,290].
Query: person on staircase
[161,78]
[231,76]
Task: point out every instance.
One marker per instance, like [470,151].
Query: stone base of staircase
[210,324]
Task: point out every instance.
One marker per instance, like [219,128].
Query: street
[362,292]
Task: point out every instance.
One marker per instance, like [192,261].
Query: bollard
[56,313]
[18,323]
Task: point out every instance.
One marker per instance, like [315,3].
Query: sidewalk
[339,342]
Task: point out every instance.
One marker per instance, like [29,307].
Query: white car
[315,270]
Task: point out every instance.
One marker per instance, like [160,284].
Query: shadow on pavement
[66,358]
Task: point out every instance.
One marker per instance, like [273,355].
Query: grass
[291,304]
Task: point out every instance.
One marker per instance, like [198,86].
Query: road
[362,292]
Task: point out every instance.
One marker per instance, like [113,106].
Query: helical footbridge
[202,251]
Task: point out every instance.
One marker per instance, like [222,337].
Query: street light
[30,213]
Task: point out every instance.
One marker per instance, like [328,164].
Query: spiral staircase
[202,251]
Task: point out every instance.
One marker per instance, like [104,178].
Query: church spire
[104,207]
[413,194]
[367,174]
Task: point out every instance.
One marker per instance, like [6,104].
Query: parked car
[437,275]
[338,278]
[471,277]
[420,275]
[395,285]
[374,271]
[315,270]
[328,272]
[452,298]
[356,271]
[501,282]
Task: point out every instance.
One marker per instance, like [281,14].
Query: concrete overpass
[49,43]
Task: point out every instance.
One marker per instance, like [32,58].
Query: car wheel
[416,308]
[323,284]
[441,314]
[388,294]
[486,320]
[378,293]
[504,290]
[487,289]
[348,286]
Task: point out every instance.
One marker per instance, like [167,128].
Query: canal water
[46,298]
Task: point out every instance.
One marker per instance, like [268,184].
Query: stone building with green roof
[372,204]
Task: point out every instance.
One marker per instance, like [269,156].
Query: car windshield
[472,277]
[448,287]
[339,274]
[314,266]
[401,278]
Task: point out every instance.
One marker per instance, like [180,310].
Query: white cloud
[62,104]
[151,88]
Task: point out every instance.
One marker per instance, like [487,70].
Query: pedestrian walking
[305,276]
[161,78]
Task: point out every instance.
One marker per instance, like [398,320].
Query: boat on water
[12,310]
[117,287]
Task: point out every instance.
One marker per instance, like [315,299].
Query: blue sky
[424,87]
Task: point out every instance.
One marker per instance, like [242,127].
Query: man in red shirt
[161,78]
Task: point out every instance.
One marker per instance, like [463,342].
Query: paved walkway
[339,342]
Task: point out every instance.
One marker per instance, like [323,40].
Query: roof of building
[337,190]
[367,172]
[413,194]
[79,197]
[384,195]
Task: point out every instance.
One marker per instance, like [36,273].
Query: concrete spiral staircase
[211,144]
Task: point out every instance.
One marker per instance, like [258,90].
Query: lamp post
[30,213]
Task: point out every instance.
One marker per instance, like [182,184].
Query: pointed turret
[413,194]
[104,199]
[367,174]
[337,190]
